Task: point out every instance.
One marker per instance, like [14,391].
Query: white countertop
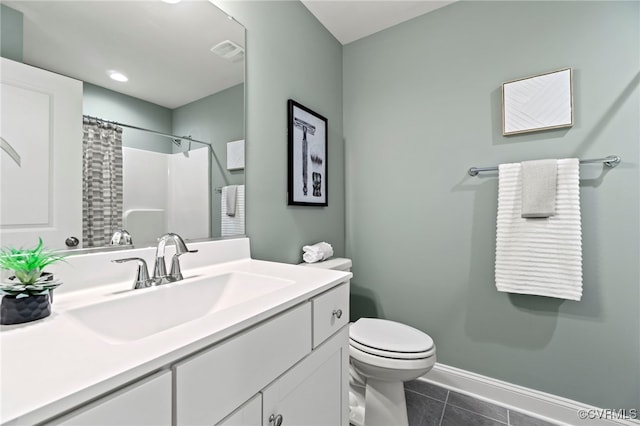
[52,365]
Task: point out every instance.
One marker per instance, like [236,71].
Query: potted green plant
[27,294]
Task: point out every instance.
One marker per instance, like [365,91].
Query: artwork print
[307,133]
[537,103]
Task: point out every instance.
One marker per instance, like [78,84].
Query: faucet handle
[121,237]
[176,273]
[142,279]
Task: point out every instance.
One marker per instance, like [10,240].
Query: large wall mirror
[182,104]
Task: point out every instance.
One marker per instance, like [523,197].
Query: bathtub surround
[182,208]
[422,104]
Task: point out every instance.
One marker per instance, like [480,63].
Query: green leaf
[28,264]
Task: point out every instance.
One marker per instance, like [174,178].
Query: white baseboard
[534,403]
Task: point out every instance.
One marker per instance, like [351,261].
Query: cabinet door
[315,392]
[250,414]
[213,383]
[147,402]
[40,156]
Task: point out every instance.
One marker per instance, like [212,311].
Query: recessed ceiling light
[118,76]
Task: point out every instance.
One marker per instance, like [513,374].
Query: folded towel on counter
[317,252]
[539,188]
[541,257]
[230,195]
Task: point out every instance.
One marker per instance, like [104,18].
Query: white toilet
[383,355]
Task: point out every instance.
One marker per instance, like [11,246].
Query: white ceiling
[163,48]
[350,20]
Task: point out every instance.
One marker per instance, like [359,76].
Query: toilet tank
[336,263]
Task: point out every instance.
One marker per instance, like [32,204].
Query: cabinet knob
[275,420]
[337,313]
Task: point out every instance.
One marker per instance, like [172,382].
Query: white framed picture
[540,102]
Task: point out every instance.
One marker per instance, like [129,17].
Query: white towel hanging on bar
[539,256]
[232,225]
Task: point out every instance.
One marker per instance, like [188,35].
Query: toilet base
[356,398]
[385,404]
[378,403]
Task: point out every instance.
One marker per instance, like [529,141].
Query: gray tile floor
[431,405]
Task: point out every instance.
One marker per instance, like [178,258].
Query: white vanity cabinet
[249,414]
[146,402]
[212,384]
[313,391]
[287,367]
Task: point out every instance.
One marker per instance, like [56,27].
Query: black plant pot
[25,309]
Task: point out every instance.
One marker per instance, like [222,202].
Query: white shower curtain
[102,181]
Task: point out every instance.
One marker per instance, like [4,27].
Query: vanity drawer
[330,312]
[212,384]
[147,402]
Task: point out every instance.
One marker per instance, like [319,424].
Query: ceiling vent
[229,51]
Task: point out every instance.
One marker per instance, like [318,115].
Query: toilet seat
[390,339]
[391,354]
[394,364]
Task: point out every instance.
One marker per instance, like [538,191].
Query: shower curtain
[102,181]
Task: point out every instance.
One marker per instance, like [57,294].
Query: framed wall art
[537,103]
[307,174]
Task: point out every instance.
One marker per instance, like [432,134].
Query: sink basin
[145,312]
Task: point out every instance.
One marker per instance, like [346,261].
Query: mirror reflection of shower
[177,160]
[166,193]
[145,192]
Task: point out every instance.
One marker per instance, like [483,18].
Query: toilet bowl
[383,355]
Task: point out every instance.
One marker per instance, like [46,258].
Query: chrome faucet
[142,279]
[160,275]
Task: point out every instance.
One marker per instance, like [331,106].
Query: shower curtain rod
[166,135]
[610,161]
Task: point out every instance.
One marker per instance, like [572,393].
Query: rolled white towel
[317,252]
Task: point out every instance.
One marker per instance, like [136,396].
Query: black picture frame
[307,157]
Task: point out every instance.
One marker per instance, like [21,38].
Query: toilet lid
[389,336]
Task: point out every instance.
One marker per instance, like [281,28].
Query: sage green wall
[422,104]
[289,55]
[114,106]
[11,41]
[218,118]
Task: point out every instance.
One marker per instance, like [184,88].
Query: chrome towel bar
[610,161]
